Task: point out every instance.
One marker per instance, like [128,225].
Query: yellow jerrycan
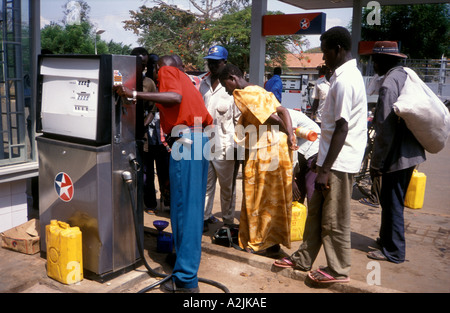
[298,220]
[415,193]
[64,252]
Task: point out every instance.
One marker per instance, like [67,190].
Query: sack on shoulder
[227,236]
[424,113]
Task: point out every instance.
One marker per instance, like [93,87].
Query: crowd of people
[199,133]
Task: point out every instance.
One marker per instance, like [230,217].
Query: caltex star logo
[64,186]
[304,23]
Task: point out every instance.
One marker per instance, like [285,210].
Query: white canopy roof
[336,4]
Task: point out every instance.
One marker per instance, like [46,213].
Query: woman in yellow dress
[265,130]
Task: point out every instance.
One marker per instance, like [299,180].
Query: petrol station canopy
[340,4]
[259,10]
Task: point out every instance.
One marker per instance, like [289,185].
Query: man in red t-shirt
[173,81]
[178,100]
[183,116]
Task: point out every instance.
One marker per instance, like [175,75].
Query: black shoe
[166,198]
[170,287]
[150,211]
[205,226]
[171,258]
[274,249]
[212,220]
[369,202]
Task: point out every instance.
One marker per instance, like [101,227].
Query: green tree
[77,38]
[118,48]
[50,37]
[423,30]
[233,32]
[210,9]
[166,30]
[71,39]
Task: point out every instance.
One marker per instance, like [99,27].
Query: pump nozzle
[132,159]
[127,177]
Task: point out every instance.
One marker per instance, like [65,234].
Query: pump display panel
[70,102]
[75,95]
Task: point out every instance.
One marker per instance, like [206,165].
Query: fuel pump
[88,160]
[88,140]
[294,92]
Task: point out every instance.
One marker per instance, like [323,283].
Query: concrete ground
[426,270]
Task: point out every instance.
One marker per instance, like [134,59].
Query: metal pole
[257,43]
[442,74]
[35,6]
[98,32]
[356,28]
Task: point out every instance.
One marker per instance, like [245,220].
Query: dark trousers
[375,190]
[392,199]
[305,178]
[159,156]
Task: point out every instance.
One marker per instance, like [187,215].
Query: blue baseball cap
[217,53]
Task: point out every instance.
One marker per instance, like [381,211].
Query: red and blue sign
[294,24]
[64,186]
[305,23]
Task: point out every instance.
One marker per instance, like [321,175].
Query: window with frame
[15,84]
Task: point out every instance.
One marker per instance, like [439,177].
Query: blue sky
[108,15]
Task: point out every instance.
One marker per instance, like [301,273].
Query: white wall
[13,204]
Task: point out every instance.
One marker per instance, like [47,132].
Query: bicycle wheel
[363,180]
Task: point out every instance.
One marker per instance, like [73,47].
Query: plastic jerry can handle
[63,225]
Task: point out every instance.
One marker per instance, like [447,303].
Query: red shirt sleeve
[192,105]
[169,80]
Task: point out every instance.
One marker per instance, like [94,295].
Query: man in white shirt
[304,176]
[320,93]
[342,143]
[223,165]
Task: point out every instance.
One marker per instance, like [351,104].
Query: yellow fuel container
[415,193]
[64,252]
[298,220]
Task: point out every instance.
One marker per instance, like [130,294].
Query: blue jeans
[392,198]
[188,171]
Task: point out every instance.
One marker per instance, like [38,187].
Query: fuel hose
[127,177]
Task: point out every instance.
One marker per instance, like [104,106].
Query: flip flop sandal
[284,262]
[321,277]
[376,255]
[287,263]
[366,201]
[251,251]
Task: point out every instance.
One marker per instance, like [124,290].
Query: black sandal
[377,255]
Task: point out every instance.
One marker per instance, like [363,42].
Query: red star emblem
[304,23]
[64,186]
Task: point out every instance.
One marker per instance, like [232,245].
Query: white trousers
[225,171]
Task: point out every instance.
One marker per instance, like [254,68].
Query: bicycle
[362,179]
